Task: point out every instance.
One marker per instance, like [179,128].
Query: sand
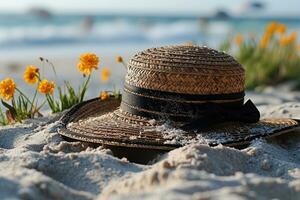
[37,163]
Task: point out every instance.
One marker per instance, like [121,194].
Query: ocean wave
[104,32]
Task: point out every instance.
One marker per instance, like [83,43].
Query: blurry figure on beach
[87,24]
[40,12]
[222,14]
[252,7]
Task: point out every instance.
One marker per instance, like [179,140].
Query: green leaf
[9,107]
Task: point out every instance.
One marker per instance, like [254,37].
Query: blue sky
[274,7]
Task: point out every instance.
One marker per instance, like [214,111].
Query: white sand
[36,163]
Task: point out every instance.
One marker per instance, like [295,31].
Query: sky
[274,7]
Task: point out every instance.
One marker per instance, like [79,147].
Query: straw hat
[173,96]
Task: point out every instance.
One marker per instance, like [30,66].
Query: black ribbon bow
[214,113]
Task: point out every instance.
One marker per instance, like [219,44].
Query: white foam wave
[105,31]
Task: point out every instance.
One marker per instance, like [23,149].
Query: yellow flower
[46,87]
[7,88]
[87,63]
[293,37]
[239,39]
[286,40]
[119,59]
[264,41]
[271,28]
[281,28]
[104,95]
[31,74]
[105,74]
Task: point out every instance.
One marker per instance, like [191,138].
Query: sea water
[19,31]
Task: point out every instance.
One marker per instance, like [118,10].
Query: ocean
[19,31]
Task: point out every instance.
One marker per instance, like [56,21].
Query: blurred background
[61,30]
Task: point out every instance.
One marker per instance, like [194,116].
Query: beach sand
[37,163]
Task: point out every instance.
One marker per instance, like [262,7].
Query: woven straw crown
[187,70]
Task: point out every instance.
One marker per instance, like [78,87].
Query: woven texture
[180,70]
[186,69]
[116,127]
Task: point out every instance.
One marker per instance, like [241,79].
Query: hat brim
[101,121]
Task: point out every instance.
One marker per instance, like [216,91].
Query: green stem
[13,102]
[124,64]
[3,120]
[87,81]
[50,102]
[38,108]
[33,99]
[53,68]
[17,114]
[84,88]
[39,77]
[21,93]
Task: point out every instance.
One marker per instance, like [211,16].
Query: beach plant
[67,95]
[33,77]
[105,74]
[104,95]
[47,88]
[117,93]
[18,105]
[120,59]
[3,119]
[269,59]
